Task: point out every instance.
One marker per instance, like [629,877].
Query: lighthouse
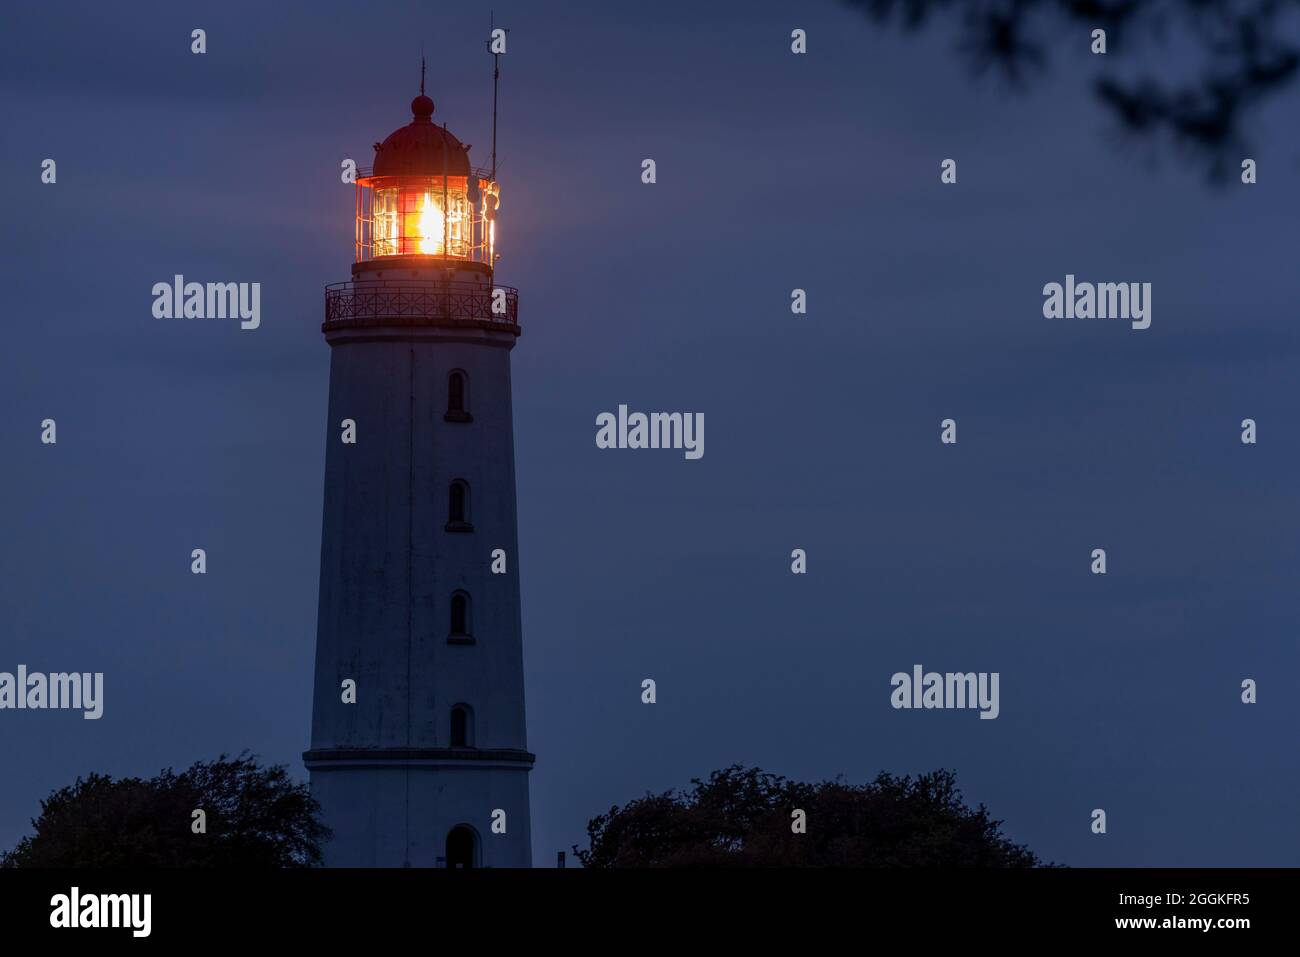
[418,751]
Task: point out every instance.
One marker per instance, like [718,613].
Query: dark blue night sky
[774,172]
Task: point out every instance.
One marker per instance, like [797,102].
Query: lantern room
[422,197]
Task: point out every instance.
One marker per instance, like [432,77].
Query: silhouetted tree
[256,817]
[742,817]
[1248,56]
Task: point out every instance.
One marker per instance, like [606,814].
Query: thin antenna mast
[496,77]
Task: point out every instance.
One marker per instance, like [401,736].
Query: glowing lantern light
[431,226]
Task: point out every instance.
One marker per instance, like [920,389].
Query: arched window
[458,507]
[462,727]
[462,846]
[457,397]
[460,620]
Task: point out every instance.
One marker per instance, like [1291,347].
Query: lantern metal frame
[476,242]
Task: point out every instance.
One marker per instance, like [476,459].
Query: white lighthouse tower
[418,752]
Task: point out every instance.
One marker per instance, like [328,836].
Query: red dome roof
[420,148]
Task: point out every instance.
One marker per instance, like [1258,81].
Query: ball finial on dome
[422,107]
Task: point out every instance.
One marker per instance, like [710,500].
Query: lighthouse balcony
[397,302]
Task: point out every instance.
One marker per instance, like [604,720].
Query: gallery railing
[406,301]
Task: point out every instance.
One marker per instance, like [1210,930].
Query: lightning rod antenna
[496,77]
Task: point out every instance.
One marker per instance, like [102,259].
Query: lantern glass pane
[425,219]
[384,234]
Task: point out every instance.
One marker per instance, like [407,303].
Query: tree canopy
[744,817]
[253,817]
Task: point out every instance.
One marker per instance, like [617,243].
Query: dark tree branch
[1248,60]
